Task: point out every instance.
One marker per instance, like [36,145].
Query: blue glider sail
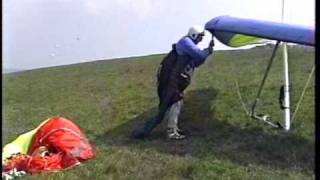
[236,32]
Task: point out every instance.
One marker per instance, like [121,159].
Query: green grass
[108,99]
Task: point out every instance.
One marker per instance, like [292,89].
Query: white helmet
[195,31]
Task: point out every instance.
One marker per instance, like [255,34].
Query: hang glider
[236,32]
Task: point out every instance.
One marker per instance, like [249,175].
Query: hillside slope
[108,99]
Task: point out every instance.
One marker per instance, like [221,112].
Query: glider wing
[236,32]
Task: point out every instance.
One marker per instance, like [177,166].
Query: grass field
[108,99]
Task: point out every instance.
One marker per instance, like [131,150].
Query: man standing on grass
[174,75]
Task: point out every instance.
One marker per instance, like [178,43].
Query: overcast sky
[42,33]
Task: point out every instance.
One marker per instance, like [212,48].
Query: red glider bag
[58,144]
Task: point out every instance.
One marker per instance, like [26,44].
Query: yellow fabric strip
[20,144]
[241,40]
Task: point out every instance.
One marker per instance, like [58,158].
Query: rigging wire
[302,94]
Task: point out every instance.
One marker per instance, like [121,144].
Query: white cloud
[141,9]
[98,7]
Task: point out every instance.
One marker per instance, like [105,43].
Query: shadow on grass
[213,138]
